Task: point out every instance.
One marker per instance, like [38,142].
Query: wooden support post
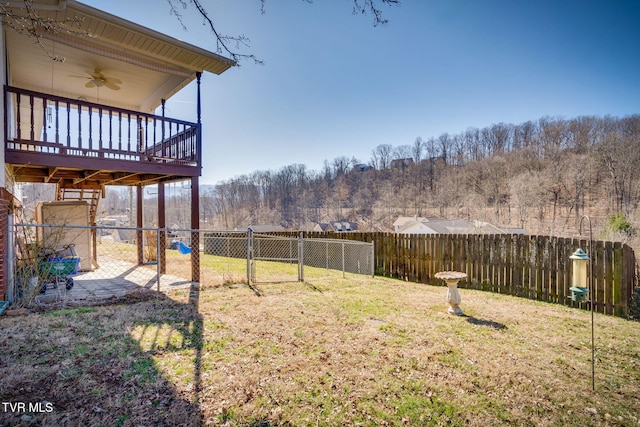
[5,197]
[139,234]
[162,224]
[195,227]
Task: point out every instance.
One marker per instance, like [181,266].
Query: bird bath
[452,278]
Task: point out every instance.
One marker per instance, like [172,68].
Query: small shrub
[617,222]
[150,245]
[618,227]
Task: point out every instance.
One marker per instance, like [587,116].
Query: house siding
[4,241]
[4,195]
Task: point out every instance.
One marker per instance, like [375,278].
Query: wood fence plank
[439,240]
[610,276]
[518,265]
[539,266]
[629,277]
[486,263]
[564,251]
[477,261]
[505,286]
[553,270]
[526,266]
[600,283]
[620,307]
[468,260]
[481,243]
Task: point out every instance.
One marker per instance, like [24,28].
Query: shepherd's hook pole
[591,292]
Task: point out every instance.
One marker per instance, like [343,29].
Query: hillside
[540,175]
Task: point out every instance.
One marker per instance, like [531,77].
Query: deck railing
[48,124]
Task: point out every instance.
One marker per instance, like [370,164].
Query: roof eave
[216,63]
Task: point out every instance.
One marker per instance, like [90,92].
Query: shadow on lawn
[483,322]
[105,365]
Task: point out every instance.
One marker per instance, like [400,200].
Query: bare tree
[341,165]
[620,156]
[458,150]
[27,21]
[403,152]
[417,150]
[230,45]
[523,135]
[381,156]
[445,142]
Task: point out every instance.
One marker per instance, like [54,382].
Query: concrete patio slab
[114,278]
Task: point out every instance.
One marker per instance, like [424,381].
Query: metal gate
[274,258]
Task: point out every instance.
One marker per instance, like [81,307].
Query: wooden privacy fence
[534,267]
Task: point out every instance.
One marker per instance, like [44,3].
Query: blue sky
[334,85]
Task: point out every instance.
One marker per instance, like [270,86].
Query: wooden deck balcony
[54,139]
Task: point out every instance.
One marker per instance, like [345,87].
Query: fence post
[158,258]
[343,275]
[249,255]
[301,258]
[373,257]
[326,254]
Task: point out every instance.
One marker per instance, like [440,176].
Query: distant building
[339,226]
[449,226]
[403,221]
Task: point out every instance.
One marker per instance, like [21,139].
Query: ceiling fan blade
[114,80]
[90,84]
[111,85]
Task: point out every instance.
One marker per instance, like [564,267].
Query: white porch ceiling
[151,65]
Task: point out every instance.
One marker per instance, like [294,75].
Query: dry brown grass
[356,351]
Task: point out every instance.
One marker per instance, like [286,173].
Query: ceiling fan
[98,79]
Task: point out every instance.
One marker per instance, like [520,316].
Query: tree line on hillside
[539,175]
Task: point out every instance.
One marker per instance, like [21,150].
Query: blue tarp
[182,248]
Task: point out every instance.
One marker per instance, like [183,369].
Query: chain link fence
[63,262]
[275,258]
[305,256]
[343,255]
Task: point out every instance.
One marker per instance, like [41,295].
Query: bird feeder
[579,289]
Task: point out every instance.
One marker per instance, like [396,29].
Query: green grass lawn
[217,270]
[332,351]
